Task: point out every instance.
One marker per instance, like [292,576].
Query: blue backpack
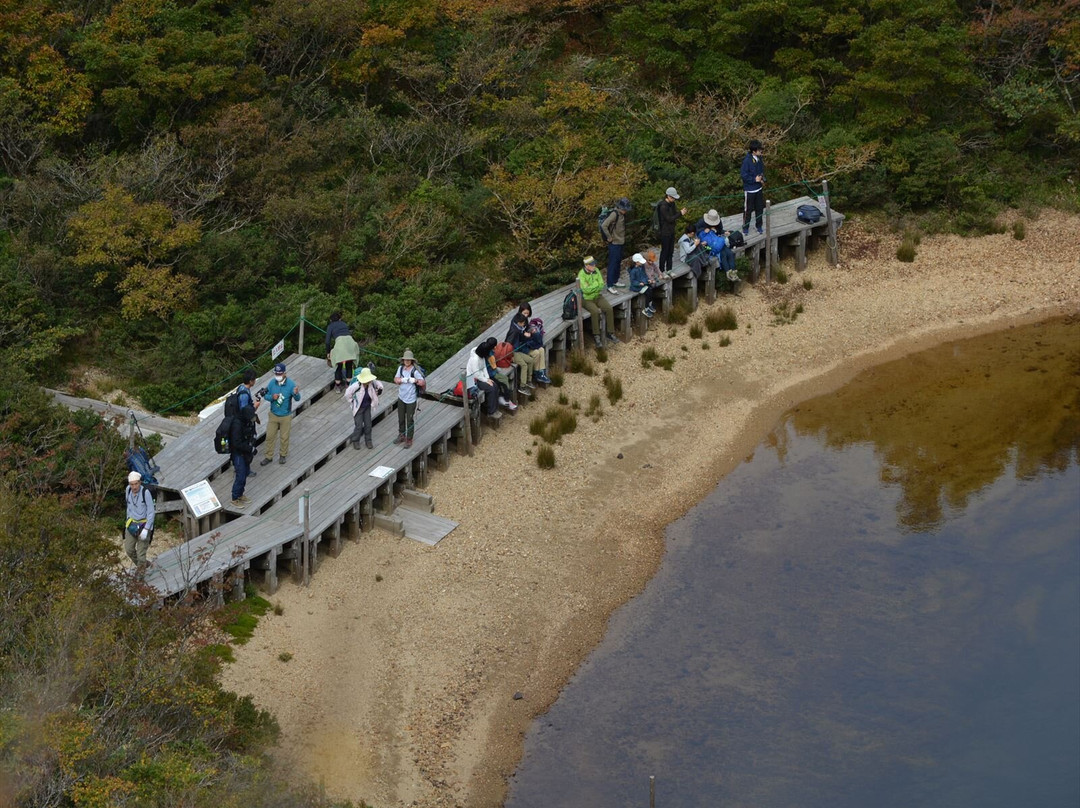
[138,460]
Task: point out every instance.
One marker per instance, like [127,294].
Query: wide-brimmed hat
[407,355]
[672,192]
[712,218]
[623,204]
[365,376]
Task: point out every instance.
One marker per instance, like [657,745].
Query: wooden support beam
[335,538]
[710,283]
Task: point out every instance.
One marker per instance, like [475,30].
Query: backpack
[504,353]
[654,225]
[605,211]
[231,410]
[569,306]
[138,460]
[735,239]
[808,214]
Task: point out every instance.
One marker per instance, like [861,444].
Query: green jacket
[592,284]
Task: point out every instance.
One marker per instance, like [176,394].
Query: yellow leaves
[137,241]
[572,96]
[92,791]
[379,35]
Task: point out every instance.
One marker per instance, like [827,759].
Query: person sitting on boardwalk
[139,526]
[752,173]
[344,356]
[363,397]
[242,450]
[282,392]
[410,380]
[477,378]
[639,282]
[693,253]
[500,376]
[715,236]
[528,344]
[504,357]
[592,298]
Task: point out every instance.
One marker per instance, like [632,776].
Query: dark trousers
[241,465]
[614,263]
[362,426]
[406,415]
[667,251]
[343,371]
[753,203]
[727,258]
[491,396]
[649,293]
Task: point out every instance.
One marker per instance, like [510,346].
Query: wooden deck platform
[149,424]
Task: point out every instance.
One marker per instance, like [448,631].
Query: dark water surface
[880,608]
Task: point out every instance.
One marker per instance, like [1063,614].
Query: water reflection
[801,648]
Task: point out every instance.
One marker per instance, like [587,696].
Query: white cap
[134,476]
[639,258]
[672,192]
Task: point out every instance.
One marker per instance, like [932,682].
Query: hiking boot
[266,461]
[368,445]
[612,339]
[238,504]
[400,438]
[281,461]
[599,342]
[408,443]
[746,230]
[356,445]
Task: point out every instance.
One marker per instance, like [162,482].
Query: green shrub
[1019,230]
[696,331]
[545,457]
[553,424]
[722,319]
[781,275]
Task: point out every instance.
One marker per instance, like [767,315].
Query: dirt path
[406,659]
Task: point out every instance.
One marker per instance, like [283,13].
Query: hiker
[500,376]
[503,357]
[668,215]
[246,398]
[613,229]
[139,526]
[282,392]
[242,450]
[410,380]
[344,357]
[334,329]
[528,342]
[592,298]
[753,182]
[693,253]
[363,397]
[476,376]
[716,237]
[639,282]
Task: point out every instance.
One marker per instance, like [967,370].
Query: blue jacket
[715,241]
[639,281]
[282,396]
[750,169]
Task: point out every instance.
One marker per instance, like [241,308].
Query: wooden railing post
[303,312]
[305,551]
[468,412]
[832,254]
[580,347]
[768,242]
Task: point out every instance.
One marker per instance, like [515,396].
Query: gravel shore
[406,659]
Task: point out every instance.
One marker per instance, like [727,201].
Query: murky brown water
[880,608]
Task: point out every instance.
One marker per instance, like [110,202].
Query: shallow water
[881,608]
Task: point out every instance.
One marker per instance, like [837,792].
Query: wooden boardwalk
[149,424]
[344,498]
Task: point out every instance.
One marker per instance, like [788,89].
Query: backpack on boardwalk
[735,239]
[808,214]
[569,306]
[231,410]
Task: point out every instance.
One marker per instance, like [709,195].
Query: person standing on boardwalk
[363,397]
[669,216]
[245,398]
[344,356]
[242,450]
[410,381]
[139,526]
[753,183]
[613,229]
[592,298]
[338,328]
[282,392]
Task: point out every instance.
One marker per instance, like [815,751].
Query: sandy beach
[406,659]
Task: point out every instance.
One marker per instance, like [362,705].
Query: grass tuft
[807,284]
[665,362]
[557,377]
[906,251]
[545,457]
[724,341]
[1019,230]
[614,388]
[601,355]
[553,424]
[579,363]
[284,656]
[696,331]
[781,275]
[564,399]
[722,319]
[679,313]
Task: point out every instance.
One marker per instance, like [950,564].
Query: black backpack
[735,239]
[569,306]
[808,214]
[231,410]
[654,225]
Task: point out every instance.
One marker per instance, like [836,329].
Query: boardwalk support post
[768,242]
[300,346]
[468,413]
[305,549]
[831,252]
[580,322]
[652,791]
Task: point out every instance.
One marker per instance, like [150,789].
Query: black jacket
[669,214]
[242,433]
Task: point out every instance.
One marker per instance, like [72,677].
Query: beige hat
[407,355]
[712,218]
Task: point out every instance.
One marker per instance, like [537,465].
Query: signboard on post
[277,350]
[200,499]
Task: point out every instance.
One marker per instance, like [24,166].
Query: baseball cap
[672,192]
[279,367]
